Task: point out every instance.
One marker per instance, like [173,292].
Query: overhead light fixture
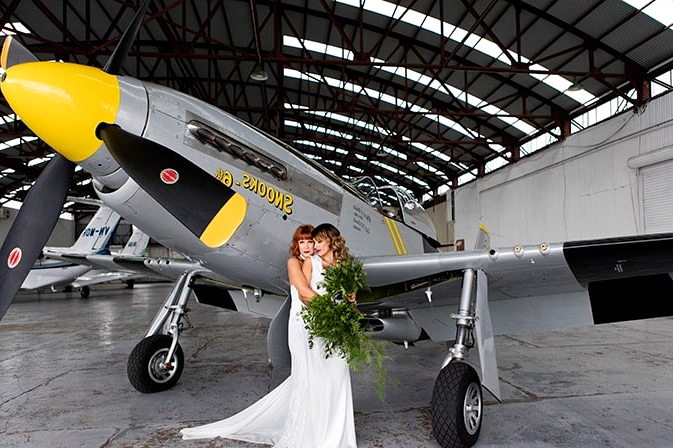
[575,86]
[259,74]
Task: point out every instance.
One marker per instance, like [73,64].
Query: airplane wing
[549,280]
[98,276]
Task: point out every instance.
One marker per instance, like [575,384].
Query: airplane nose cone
[62,103]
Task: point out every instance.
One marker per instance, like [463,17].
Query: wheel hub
[160,370]
[472,408]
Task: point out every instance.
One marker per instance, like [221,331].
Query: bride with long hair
[313,407]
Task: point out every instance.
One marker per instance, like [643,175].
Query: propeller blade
[32,227]
[42,207]
[114,64]
[208,208]
[13,53]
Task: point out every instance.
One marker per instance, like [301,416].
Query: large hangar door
[658,197]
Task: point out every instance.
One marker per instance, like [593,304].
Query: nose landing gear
[157,361]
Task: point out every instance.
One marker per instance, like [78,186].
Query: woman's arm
[307,272]
[297,278]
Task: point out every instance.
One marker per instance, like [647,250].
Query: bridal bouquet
[333,318]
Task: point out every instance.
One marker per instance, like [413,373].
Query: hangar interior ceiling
[424,94]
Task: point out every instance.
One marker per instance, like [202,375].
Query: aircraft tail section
[483,238]
[97,235]
[137,244]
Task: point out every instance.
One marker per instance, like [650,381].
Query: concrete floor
[63,380]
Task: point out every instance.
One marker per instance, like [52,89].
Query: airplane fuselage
[294,191]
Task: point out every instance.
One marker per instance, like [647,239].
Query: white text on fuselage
[282,201]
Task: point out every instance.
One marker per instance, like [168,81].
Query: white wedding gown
[312,408]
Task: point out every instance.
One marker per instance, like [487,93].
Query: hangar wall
[589,186]
[62,236]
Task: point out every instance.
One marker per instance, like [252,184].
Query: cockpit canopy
[395,203]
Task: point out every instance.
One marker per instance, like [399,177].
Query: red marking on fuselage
[169,176]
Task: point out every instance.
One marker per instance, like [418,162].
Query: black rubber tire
[85,292]
[145,367]
[457,406]
[130,283]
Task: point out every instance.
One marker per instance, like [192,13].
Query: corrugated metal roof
[471,82]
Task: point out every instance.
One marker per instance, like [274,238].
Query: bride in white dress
[313,407]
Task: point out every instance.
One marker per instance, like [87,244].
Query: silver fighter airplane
[206,184]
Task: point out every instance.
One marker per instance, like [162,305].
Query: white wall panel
[578,189]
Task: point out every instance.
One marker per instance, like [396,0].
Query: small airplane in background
[104,266]
[53,270]
[207,185]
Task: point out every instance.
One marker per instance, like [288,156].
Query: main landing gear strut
[457,397]
[156,362]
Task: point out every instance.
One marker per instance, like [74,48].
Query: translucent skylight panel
[432,151]
[472,100]
[318,47]
[397,102]
[321,146]
[349,120]
[659,10]
[442,189]
[15,142]
[12,204]
[431,169]
[456,34]
[9,118]
[13,28]
[465,178]
[320,129]
[293,106]
[385,166]
[376,145]
[451,90]
[336,163]
[494,164]
[39,160]
[561,84]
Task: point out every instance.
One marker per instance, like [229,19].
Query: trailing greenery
[337,321]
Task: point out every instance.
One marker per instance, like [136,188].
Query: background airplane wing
[98,276]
